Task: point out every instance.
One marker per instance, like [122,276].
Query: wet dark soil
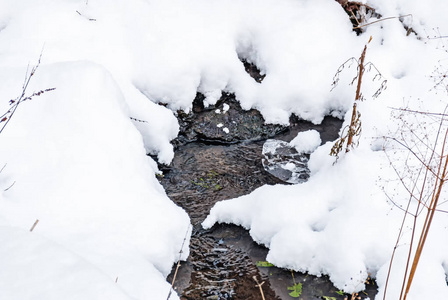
[212,164]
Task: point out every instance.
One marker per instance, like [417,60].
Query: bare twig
[178,262]
[14,103]
[12,184]
[381,20]
[34,225]
[89,19]
[138,120]
[420,112]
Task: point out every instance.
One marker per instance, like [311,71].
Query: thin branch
[9,186]
[420,112]
[411,151]
[429,217]
[381,20]
[399,237]
[14,103]
[34,225]
[178,262]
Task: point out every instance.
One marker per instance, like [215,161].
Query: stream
[220,153]
[218,156]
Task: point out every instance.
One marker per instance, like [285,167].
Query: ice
[284,162]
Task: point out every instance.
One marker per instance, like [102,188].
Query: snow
[311,227]
[30,271]
[75,158]
[306,141]
[225,107]
[79,166]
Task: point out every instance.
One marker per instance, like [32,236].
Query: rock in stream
[223,123]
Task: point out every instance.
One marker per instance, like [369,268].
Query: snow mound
[306,141]
[36,268]
[74,160]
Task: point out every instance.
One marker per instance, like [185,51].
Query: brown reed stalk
[434,172]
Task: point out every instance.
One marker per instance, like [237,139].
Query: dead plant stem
[384,19]
[430,215]
[259,286]
[352,128]
[398,237]
[178,263]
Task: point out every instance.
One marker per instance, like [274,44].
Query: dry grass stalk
[442,176]
[354,128]
[178,263]
[259,286]
[424,186]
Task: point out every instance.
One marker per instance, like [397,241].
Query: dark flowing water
[212,165]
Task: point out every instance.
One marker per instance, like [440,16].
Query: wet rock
[223,123]
[358,13]
[253,71]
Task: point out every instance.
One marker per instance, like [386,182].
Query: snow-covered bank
[76,162]
[327,225]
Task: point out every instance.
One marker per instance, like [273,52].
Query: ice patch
[284,162]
